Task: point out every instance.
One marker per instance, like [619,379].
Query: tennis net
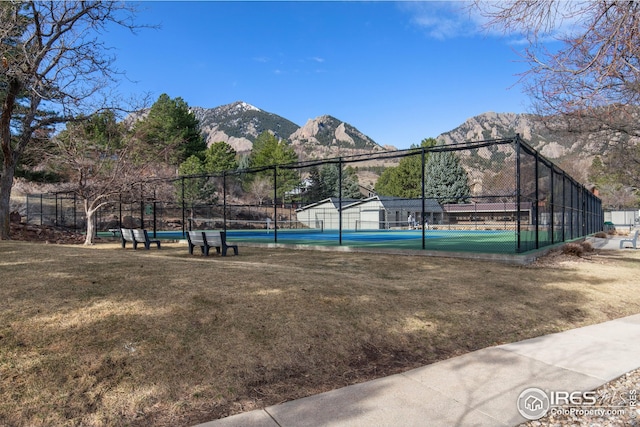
[364,225]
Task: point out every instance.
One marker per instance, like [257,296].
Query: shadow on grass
[129,337]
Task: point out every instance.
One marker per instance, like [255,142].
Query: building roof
[334,201]
[388,203]
[415,205]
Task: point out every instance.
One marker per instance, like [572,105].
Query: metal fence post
[552,201]
[518,191]
[184,213]
[564,208]
[141,207]
[224,201]
[537,201]
[275,204]
[423,214]
[56,222]
[340,201]
[155,218]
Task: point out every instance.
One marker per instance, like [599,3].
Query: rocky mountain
[572,151]
[326,136]
[239,123]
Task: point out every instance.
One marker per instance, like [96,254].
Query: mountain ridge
[239,124]
[571,151]
[325,136]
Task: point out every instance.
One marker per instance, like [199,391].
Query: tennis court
[487,241]
[518,205]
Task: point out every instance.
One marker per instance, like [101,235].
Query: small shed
[323,214]
[371,213]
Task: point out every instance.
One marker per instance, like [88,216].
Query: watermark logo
[533,403]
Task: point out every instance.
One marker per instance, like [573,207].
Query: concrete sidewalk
[611,243]
[477,389]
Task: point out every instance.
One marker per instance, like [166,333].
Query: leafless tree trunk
[50,54]
[95,171]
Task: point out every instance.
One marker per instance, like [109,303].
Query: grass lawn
[101,336]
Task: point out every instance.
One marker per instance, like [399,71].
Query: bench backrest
[213,238]
[127,234]
[140,235]
[635,236]
[195,237]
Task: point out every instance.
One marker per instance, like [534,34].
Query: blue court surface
[486,241]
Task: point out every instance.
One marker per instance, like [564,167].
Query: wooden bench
[209,239]
[137,236]
[633,241]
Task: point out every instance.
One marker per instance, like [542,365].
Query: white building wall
[365,215]
[324,214]
[623,218]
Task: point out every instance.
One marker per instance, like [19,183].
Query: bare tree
[94,161]
[53,67]
[593,79]
[261,188]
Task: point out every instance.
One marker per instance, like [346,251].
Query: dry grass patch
[105,336]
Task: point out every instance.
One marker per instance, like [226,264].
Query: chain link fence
[511,200]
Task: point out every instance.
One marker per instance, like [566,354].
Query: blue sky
[399,72]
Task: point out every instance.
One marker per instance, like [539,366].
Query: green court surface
[476,241]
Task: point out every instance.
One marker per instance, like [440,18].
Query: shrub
[573,249]
[600,235]
[586,246]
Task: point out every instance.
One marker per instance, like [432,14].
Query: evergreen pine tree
[315,191]
[268,150]
[220,157]
[350,184]
[446,180]
[170,132]
[405,180]
[196,189]
[329,177]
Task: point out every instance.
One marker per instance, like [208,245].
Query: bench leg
[234,247]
